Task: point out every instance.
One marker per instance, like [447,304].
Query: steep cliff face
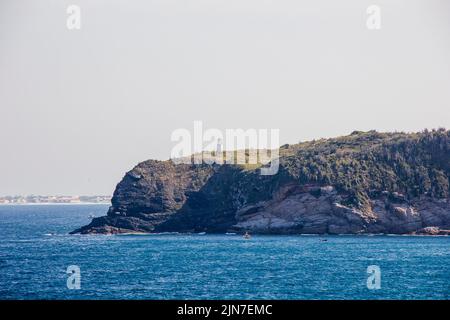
[149,194]
[367,182]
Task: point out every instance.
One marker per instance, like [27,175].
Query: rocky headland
[366,182]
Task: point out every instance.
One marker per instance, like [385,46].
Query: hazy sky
[78,108]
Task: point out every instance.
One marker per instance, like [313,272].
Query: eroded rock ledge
[319,210]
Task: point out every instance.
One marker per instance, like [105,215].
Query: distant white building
[219,146]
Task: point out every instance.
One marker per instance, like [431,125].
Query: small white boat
[246,236]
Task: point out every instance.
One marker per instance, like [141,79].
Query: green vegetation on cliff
[371,162]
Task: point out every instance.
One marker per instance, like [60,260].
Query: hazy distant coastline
[38,199]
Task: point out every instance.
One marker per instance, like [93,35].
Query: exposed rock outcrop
[318,210]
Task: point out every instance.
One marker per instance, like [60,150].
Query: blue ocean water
[36,249]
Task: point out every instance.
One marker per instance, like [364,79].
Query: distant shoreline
[53,203]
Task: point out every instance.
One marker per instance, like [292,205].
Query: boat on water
[246,236]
